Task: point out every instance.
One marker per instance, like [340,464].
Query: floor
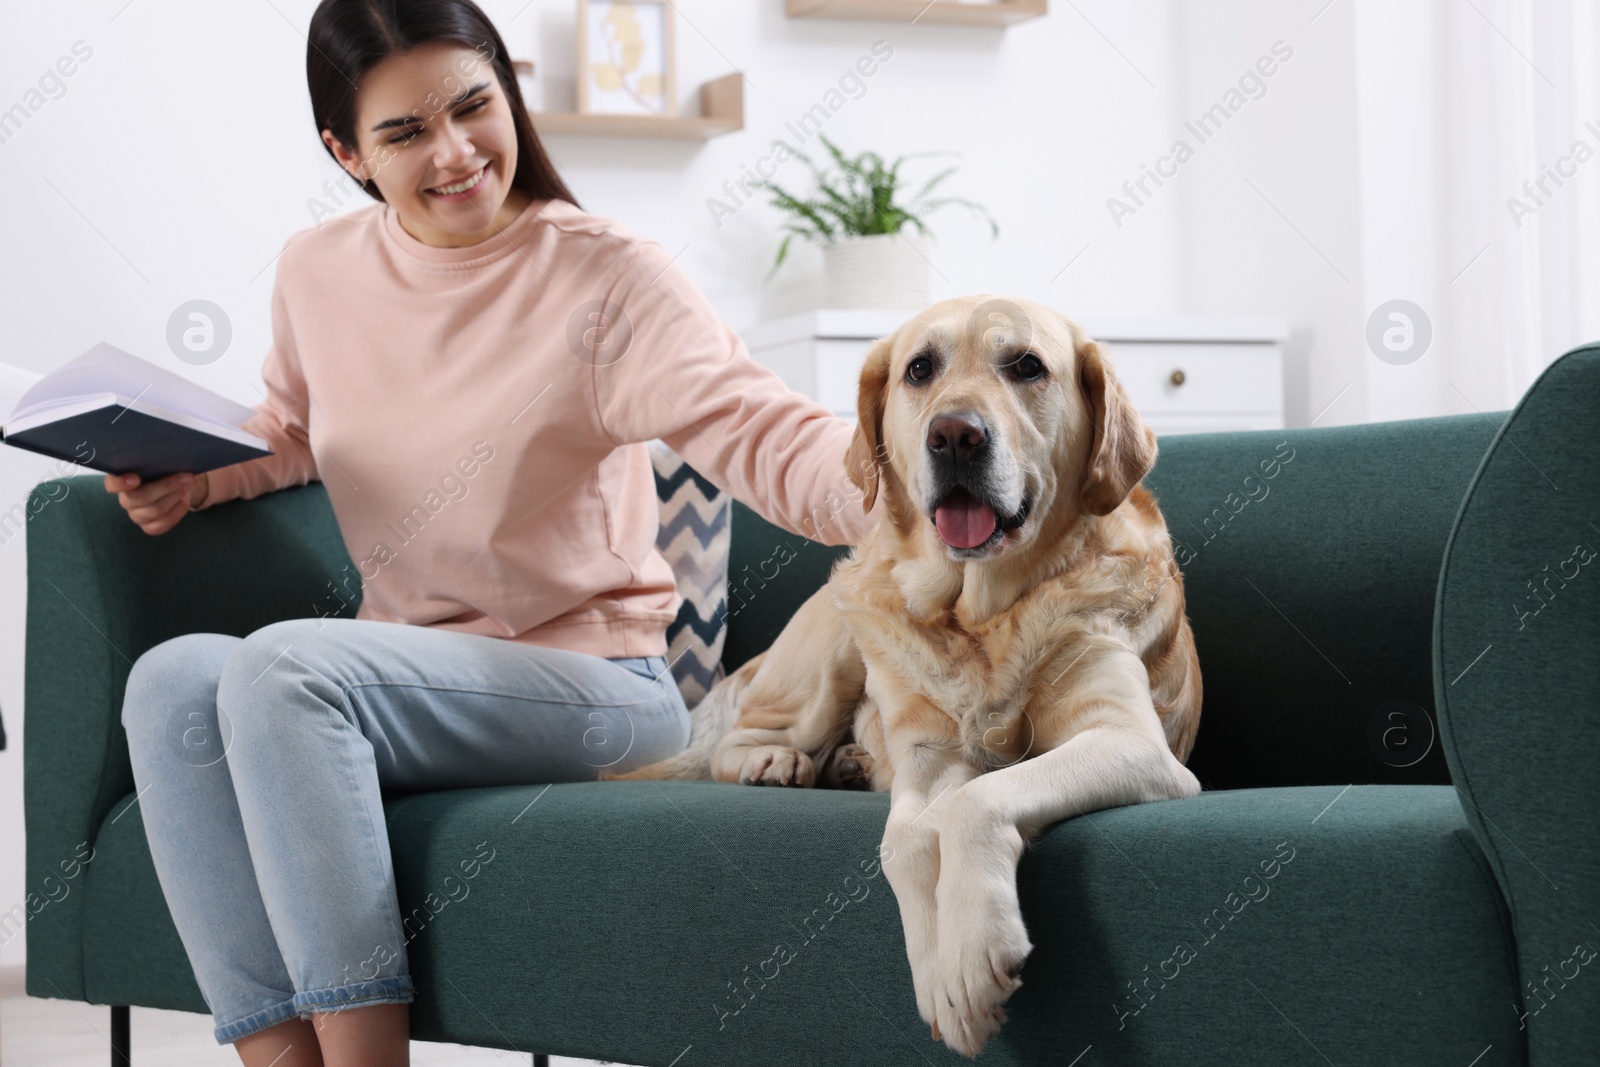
[39,1032]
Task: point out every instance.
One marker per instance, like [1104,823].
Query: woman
[471,366]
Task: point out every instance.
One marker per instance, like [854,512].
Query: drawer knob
[1178,377]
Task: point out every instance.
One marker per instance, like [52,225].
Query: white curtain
[1479,140]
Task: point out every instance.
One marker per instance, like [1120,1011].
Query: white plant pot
[881,270]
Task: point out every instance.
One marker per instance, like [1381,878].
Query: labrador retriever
[1007,648]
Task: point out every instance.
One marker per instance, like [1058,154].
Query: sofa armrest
[101,592]
[1517,686]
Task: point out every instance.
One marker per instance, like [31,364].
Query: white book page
[14,382]
[107,369]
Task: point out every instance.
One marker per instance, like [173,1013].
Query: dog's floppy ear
[1124,447]
[864,458]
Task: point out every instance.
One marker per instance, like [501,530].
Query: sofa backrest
[771,572]
[1310,559]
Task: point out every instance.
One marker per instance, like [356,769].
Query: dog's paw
[850,768]
[776,765]
[922,952]
[982,946]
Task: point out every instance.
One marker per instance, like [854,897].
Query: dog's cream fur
[991,691]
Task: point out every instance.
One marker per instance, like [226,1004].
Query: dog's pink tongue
[964,521]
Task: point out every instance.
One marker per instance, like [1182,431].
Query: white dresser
[1185,374]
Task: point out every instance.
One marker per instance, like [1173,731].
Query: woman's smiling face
[431,120]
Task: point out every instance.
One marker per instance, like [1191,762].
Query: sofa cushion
[693,537]
[643,922]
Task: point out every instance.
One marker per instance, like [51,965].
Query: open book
[116,413]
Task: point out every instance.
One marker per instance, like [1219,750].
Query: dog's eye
[1028,366]
[919,369]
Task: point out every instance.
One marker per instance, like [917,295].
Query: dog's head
[983,415]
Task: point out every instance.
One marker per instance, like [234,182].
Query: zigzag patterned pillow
[695,538]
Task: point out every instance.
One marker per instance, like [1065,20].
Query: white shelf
[721,111]
[998,13]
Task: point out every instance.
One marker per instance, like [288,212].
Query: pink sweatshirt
[486,465]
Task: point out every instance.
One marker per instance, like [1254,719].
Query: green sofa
[1351,887]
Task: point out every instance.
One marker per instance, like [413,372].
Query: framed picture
[625,58]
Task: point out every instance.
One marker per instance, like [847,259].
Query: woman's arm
[688,379]
[282,419]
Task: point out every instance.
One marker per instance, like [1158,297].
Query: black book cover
[119,440]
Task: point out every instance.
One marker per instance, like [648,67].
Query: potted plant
[855,215]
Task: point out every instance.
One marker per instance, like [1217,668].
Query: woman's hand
[157,507]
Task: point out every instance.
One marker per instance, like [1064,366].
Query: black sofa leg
[119,1040]
[119,1036]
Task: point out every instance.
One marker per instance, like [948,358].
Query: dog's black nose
[960,433]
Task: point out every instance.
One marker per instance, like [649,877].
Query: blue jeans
[259,762]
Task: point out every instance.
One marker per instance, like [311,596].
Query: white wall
[1266,205]
[1378,166]
[181,154]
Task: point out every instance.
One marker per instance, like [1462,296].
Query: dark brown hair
[347,38]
